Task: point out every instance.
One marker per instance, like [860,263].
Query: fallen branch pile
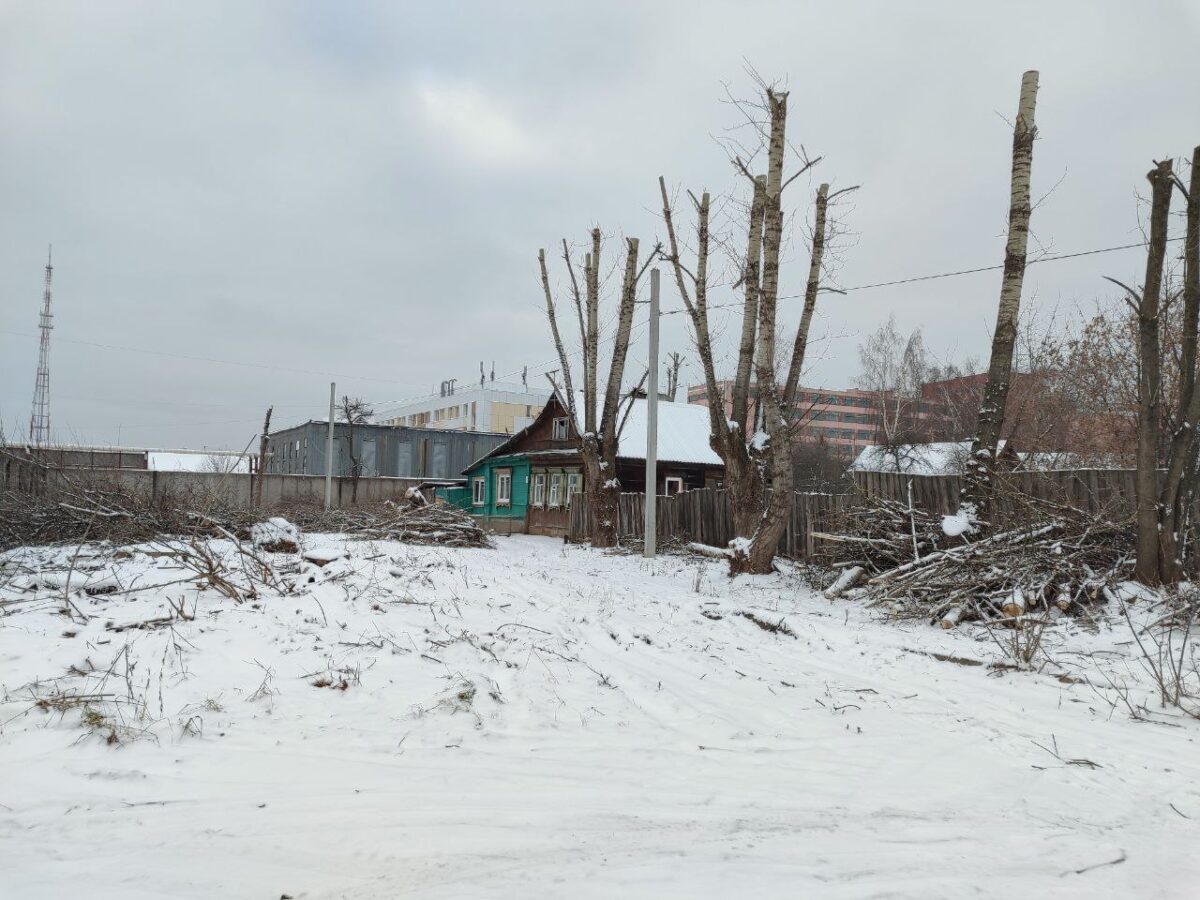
[82,510]
[406,522]
[1058,560]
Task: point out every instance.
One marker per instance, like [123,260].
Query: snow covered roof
[937,458]
[683,431]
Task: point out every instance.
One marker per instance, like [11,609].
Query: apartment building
[494,407]
[845,421]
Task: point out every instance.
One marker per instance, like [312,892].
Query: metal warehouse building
[387,450]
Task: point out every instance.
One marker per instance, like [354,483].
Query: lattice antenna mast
[39,421]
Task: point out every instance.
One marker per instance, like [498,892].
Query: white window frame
[504,487]
[479,491]
[667,485]
[574,484]
[539,489]
[555,493]
[561,429]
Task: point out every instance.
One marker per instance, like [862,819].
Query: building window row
[553,488]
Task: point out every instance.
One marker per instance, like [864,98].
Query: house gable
[540,435]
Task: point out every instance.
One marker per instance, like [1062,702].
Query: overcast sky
[359,190]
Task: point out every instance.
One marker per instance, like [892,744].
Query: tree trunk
[1148,568]
[590,379]
[752,285]
[263,442]
[604,493]
[1185,484]
[811,289]
[353,465]
[563,361]
[977,482]
[759,557]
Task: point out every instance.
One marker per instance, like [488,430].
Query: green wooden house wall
[487,469]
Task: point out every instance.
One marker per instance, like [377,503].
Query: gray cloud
[363,190]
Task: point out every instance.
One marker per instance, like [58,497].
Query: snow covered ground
[544,721]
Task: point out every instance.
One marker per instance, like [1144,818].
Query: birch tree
[977,483]
[601,419]
[894,369]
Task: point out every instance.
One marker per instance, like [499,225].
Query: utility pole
[329,451]
[648,546]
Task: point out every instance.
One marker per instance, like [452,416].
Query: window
[560,429]
[574,484]
[555,490]
[504,487]
[673,486]
[539,489]
[479,492]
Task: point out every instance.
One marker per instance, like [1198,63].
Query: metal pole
[329,451]
[652,424]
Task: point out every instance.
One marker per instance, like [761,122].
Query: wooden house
[526,483]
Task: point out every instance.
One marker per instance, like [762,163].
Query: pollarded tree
[758,465]
[977,483]
[601,419]
[1160,501]
[1183,456]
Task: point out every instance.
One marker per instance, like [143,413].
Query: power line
[549,366]
[918,278]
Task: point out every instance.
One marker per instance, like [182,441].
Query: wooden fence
[704,516]
[1096,491]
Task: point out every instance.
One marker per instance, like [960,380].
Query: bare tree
[354,412]
[758,469]
[601,412]
[977,483]
[219,463]
[817,468]
[894,369]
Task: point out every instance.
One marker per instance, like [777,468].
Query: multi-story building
[495,407]
[845,421]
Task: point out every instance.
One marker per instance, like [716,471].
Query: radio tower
[39,421]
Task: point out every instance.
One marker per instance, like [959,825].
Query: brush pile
[1054,560]
[409,522]
[90,512]
[79,511]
